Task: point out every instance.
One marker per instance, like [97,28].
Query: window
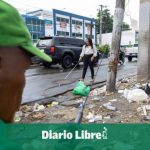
[77,22]
[67,33]
[29,27]
[58,33]
[62,19]
[87,36]
[87,24]
[79,35]
[135,45]
[58,19]
[62,33]
[67,21]
[34,28]
[73,21]
[34,22]
[38,28]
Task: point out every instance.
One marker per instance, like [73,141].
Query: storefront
[59,23]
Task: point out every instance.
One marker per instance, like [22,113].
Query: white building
[129,37]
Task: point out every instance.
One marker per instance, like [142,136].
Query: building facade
[60,23]
[36,26]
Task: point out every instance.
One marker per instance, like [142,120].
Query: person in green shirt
[16,50]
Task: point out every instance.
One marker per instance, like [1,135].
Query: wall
[128,38]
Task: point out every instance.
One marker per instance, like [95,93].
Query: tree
[107,22]
[115,46]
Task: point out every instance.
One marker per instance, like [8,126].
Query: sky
[88,8]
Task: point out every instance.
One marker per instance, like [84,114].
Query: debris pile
[130,104]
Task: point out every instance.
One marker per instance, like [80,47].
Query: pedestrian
[88,54]
[16,50]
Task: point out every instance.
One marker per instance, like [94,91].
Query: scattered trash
[98,91]
[109,106]
[26,108]
[94,93]
[80,100]
[138,85]
[109,93]
[144,111]
[18,116]
[107,117]
[91,106]
[137,95]
[139,109]
[93,118]
[120,91]
[113,100]
[81,89]
[17,119]
[147,118]
[147,107]
[101,90]
[59,115]
[90,115]
[38,107]
[54,104]
[147,89]
[36,115]
[124,81]
[49,105]
[125,93]
[95,98]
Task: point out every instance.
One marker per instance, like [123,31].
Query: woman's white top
[87,50]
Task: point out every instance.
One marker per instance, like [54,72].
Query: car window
[135,45]
[71,42]
[45,42]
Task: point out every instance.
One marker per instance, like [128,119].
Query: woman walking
[89,52]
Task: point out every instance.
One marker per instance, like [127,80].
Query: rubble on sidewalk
[38,107]
[137,95]
[18,116]
[109,106]
[36,115]
[131,104]
[93,118]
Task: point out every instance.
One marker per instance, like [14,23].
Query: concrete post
[143,72]
[115,46]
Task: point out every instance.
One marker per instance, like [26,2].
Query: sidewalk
[100,108]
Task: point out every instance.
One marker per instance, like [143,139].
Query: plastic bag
[81,89]
[137,95]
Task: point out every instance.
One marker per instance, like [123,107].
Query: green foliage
[107,22]
[104,49]
[125,26]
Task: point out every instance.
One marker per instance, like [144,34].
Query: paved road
[44,83]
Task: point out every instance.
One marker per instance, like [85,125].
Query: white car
[131,52]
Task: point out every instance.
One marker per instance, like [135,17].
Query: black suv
[63,50]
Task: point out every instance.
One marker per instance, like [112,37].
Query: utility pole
[143,71]
[91,29]
[100,23]
[115,45]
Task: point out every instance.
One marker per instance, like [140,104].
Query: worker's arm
[82,53]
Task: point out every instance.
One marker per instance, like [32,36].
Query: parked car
[63,50]
[131,52]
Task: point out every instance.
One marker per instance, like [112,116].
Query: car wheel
[67,61]
[47,65]
[129,58]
